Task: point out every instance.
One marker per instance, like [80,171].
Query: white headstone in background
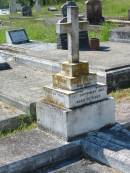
[12,6]
[37,6]
[17,36]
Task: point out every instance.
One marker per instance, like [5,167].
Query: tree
[26,2]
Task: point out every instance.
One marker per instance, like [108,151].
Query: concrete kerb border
[43,159]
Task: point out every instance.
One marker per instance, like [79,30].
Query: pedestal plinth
[75,104]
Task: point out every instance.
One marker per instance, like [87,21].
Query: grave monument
[37,6]
[12,6]
[62,37]
[94,11]
[74,104]
[17,36]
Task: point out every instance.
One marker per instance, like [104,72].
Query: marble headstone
[37,6]
[17,36]
[94,11]
[12,6]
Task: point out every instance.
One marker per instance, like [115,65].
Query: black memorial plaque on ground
[5,66]
[18,36]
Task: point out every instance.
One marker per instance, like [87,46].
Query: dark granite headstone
[64,7]
[94,11]
[26,10]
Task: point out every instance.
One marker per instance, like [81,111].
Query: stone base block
[75,69]
[121,34]
[70,123]
[71,99]
[73,83]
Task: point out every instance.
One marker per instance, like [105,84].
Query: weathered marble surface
[121,34]
[71,99]
[70,123]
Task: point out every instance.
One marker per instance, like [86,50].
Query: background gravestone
[26,10]
[17,36]
[12,6]
[64,7]
[129,14]
[62,38]
[37,6]
[94,11]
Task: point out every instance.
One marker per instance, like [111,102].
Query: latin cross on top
[72,28]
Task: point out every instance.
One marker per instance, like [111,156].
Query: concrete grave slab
[111,63]
[37,151]
[85,166]
[28,151]
[121,34]
[111,147]
[23,86]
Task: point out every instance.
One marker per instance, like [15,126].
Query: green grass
[116,7]
[102,34]
[2,36]
[122,93]
[24,123]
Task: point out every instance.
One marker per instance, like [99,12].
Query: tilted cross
[72,28]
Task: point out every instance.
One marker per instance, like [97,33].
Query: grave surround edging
[98,145]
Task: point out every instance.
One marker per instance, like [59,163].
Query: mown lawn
[39,30]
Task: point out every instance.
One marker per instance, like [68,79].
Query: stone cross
[72,28]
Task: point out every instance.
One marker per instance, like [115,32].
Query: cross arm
[62,28]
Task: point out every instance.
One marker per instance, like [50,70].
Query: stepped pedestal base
[70,123]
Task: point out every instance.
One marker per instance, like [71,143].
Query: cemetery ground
[24,147]
[46,20]
[27,145]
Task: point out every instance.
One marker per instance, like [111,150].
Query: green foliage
[26,2]
[116,7]
[122,93]
[37,30]
[4,3]
[24,123]
[103,33]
